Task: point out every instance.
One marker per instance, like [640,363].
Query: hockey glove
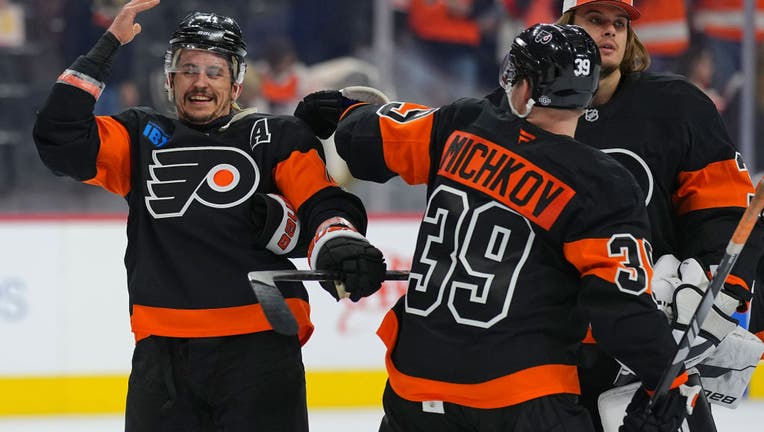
[666,415]
[664,282]
[678,293]
[338,246]
[276,226]
[687,296]
[321,110]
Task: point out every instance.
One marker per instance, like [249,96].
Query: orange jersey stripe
[720,184]
[301,175]
[190,323]
[508,390]
[679,380]
[507,177]
[592,258]
[406,146]
[113,161]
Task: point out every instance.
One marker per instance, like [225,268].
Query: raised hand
[124,27]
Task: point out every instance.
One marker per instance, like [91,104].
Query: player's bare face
[202,86]
[608,26]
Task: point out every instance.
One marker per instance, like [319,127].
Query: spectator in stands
[664,31]
[722,23]
[447,39]
[697,65]
[281,77]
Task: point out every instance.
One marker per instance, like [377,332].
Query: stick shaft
[275,309]
[328,275]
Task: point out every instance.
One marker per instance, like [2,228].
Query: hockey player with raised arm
[209,194]
[527,236]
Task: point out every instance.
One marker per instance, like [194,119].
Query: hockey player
[523,225]
[672,139]
[204,210]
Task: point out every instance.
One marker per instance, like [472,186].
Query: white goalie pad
[612,405]
[726,373]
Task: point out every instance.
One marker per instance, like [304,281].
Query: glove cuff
[329,229]
[287,232]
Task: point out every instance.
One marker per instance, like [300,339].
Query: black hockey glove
[321,110]
[338,246]
[275,223]
[667,414]
[362,266]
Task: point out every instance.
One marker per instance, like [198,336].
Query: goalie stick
[275,308]
[731,253]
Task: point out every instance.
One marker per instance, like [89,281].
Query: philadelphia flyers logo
[217,177]
[638,168]
[403,112]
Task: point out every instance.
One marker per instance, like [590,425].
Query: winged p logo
[543,37]
[217,177]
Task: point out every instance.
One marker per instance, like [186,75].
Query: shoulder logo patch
[154,133]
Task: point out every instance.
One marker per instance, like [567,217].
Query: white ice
[749,416]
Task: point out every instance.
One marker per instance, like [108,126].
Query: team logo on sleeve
[217,177]
[403,112]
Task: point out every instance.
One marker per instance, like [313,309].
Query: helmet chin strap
[528,105]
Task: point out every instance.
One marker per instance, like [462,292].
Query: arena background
[62,278]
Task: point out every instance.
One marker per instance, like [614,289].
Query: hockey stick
[734,247]
[275,308]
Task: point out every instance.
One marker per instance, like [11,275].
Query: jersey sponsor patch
[217,177]
[505,176]
[155,134]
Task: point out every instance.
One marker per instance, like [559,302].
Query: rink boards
[64,322]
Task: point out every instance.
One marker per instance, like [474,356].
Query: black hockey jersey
[521,227]
[671,137]
[190,230]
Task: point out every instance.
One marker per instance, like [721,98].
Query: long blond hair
[635,58]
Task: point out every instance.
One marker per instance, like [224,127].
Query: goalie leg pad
[612,405]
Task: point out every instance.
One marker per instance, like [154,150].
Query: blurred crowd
[436,52]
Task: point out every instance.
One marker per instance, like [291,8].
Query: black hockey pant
[252,382]
[555,413]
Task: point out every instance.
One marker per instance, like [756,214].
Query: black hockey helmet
[210,32]
[562,63]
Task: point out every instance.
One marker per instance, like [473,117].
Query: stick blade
[275,308]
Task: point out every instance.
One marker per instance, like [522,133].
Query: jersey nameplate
[507,177]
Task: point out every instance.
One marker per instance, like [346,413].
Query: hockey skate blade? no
[272,302]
